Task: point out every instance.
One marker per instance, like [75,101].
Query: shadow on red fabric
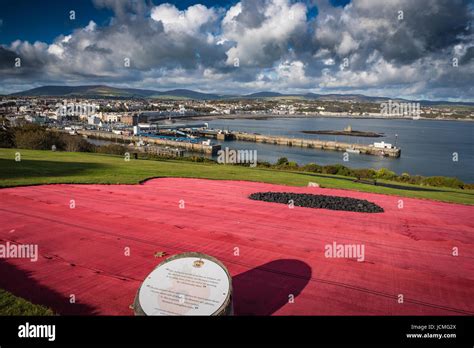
[21,284]
[265,289]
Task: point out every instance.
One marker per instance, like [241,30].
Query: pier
[318,144]
[186,145]
[250,137]
[305,143]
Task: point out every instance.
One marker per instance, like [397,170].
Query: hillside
[103,91]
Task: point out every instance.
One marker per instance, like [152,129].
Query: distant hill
[185,93]
[314,96]
[101,91]
[106,91]
[264,95]
[92,91]
[344,97]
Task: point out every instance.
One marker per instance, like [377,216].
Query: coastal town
[100,112]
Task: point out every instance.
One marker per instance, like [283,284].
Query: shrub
[343,170]
[74,143]
[416,179]
[384,173]
[264,164]
[338,169]
[113,149]
[331,169]
[35,137]
[282,161]
[197,159]
[364,173]
[442,181]
[405,177]
[312,167]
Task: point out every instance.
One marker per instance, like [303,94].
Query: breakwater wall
[189,146]
[317,144]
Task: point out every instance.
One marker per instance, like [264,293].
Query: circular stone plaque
[186,284]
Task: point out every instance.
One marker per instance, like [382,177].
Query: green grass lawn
[12,305]
[47,167]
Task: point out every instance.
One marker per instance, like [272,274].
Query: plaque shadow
[265,289]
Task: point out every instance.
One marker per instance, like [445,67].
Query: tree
[35,137]
[6,133]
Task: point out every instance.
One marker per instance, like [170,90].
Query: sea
[428,147]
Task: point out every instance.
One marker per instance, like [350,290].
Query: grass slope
[47,167]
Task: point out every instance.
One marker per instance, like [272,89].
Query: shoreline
[268,117]
[353,133]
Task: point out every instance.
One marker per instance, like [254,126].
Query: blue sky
[321,46]
[46,19]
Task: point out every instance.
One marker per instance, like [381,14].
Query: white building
[111,118]
[383,145]
[93,120]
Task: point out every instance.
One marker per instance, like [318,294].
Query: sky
[396,48]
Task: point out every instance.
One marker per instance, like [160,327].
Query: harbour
[429,147]
[189,137]
[198,147]
[376,149]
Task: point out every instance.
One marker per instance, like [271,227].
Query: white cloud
[91,26]
[262,44]
[279,48]
[329,61]
[55,49]
[347,45]
[189,21]
[292,73]
[379,73]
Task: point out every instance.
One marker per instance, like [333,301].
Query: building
[111,118]
[94,120]
[383,145]
[129,120]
